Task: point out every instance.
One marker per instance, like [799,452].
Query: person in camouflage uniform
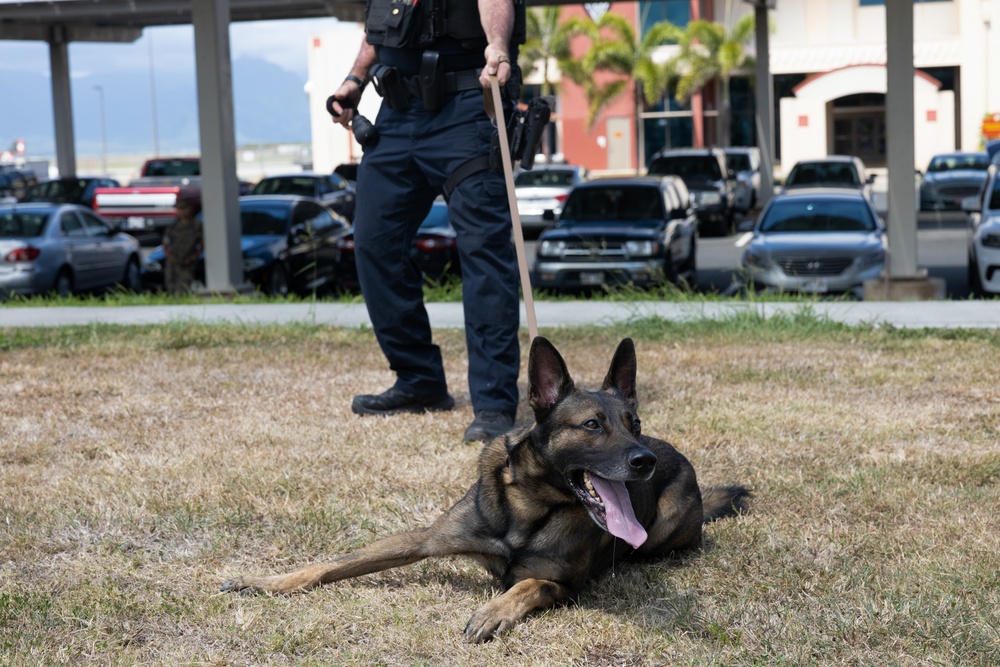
[183,243]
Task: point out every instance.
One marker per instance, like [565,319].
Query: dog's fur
[535,518]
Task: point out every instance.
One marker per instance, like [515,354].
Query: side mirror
[971,205]
[548,215]
[745,226]
[870,179]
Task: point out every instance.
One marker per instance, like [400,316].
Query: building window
[677,12]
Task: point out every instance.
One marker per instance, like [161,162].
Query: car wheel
[63,286]
[277,280]
[132,280]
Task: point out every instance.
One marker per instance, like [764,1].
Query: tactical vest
[417,24]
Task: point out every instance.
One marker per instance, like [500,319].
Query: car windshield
[21,225]
[614,204]
[975,161]
[173,168]
[264,219]
[823,173]
[305,187]
[688,167]
[545,178]
[994,203]
[808,214]
[738,161]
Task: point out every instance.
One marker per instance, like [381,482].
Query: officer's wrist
[356,79]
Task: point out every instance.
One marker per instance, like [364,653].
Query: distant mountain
[270,106]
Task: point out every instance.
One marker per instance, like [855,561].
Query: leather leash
[515,217]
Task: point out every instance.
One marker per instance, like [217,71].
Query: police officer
[430,60]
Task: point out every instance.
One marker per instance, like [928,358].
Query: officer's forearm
[497,17]
[363,63]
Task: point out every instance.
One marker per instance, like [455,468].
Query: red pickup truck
[147,204]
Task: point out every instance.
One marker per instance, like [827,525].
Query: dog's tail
[719,502]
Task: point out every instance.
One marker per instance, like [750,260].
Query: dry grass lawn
[140,467]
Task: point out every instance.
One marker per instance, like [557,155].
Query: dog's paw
[487,623]
[240,586]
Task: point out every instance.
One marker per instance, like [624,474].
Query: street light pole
[104,132]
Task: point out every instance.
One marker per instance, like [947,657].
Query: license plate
[591,277]
[815,286]
[135,222]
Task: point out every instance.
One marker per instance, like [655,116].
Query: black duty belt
[452,82]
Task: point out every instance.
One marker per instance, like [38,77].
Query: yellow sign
[991,126]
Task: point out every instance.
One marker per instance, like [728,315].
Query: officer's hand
[497,63]
[343,104]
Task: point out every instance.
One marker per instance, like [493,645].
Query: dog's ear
[621,375]
[548,379]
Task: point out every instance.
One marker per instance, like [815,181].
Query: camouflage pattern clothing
[183,244]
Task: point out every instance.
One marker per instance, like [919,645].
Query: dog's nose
[642,460]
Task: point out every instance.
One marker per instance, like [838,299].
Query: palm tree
[546,40]
[616,50]
[708,52]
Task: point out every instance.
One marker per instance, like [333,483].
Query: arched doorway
[857,124]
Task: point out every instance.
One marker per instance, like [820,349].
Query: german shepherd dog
[556,501]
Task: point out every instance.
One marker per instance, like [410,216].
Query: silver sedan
[63,248]
[816,240]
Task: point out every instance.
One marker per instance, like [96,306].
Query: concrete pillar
[219,184]
[764,92]
[62,102]
[902,279]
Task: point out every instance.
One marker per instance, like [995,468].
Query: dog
[557,500]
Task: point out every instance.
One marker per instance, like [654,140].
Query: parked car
[709,180]
[289,244]
[15,180]
[620,231]
[78,190]
[816,240]
[434,249]
[544,188]
[984,236]
[63,248]
[332,189]
[744,162]
[950,178]
[833,171]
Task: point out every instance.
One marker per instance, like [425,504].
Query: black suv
[706,175]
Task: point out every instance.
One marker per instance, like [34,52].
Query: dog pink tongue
[618,507]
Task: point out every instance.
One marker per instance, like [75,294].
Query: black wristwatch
[361,82]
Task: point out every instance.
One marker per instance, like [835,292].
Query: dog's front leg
[393,551]
[503,612]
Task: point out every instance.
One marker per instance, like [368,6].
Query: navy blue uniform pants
[398,179]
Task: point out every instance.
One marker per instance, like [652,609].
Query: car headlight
[755,259]
[871,259]
[642,248]
[253,263]
[708,198]
[991,240]
[551,248]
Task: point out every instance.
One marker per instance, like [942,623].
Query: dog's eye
[637,427]
[591,424]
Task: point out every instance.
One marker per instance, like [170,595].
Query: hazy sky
[284,43]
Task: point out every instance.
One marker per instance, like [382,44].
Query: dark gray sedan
[63,248]
[621,231]
[816,240]
[950,178]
